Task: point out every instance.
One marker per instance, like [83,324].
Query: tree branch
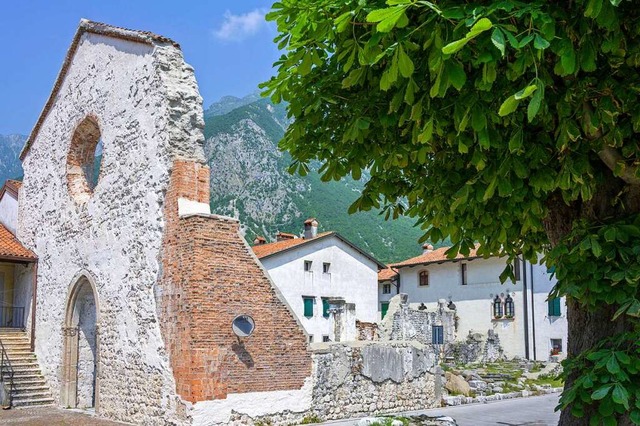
[609,155]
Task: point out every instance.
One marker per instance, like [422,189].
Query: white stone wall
[9,212]
[474,302]
[352,276]
[147,105]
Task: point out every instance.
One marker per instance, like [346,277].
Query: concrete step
[30,390]
[25,377]
[32,402]
[20,384]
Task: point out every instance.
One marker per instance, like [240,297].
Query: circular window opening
[84,159]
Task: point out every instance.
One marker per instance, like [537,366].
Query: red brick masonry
[210,277]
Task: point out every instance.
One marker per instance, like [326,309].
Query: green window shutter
[554,307]
[308,306]
[384,307]
[325,308]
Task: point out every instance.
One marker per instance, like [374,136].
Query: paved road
[532,411]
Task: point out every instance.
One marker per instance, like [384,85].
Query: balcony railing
[12,317]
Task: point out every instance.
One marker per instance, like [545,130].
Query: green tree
[512,124]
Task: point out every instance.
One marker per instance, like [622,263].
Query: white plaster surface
[253,404]
[9,212]
[147,105]
[474,301]
[189,207]
[351,276]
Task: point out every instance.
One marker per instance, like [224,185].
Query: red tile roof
[264,250]
[436,256]
[387,274]
[12,186]
[11,249]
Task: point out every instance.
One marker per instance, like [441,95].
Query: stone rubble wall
[355,379]
[367,331]
[405,323]
[145,100]
[476,348]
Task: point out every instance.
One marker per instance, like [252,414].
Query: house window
[325,338]
[556,346]
[386,289]
[307,265]
[424,278]
[325,307]
[497,307]
[554,307]
[463,273]
[311,338]
[308,306]
[509,307]
[437,334]
[384,307]
[326,267]
[516,269]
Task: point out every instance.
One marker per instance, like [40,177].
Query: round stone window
[84,160]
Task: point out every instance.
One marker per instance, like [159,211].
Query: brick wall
[209,277]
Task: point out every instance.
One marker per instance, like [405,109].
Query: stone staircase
[29,386]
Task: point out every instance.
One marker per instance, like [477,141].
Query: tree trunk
[587,329]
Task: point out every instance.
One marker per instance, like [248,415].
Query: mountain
[249,181]
[228,103]
[10,165]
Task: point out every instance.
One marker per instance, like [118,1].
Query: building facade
[528,325]
[310,270]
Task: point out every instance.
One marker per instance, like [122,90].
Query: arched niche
[80,372]
[84,159]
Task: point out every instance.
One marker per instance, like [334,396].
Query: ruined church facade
[137,283]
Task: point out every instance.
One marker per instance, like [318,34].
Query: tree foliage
[512,124]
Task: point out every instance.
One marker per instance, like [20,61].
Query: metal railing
[6,373]
[12,317]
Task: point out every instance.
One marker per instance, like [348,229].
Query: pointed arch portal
[81,345]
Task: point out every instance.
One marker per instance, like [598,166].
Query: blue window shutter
[437,334]
[384,307]
[554,307]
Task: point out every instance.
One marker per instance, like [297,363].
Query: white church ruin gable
[132,92]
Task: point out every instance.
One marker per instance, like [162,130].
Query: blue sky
[227,42]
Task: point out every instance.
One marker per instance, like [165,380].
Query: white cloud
[239,27]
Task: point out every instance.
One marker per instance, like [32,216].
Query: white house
[311,269]
[527,323]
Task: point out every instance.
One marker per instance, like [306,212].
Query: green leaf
[540,43]
[525,40]
[593,8]
[405,63]
[386,18]
[482,25]
[454,46]
[526,92]
[612,365]
[534,104]
[601,392]
[491,189]
[620,395]
[497,38]
[568,61]
[456,74]
[508,106]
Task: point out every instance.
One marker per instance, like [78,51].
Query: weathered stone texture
[146,104]
[211,276]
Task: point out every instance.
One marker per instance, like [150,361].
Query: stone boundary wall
[360,379]
[462,400]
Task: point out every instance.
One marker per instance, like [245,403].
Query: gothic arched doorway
[81,346]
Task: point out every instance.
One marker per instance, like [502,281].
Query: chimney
[310,228]
[282,236]
[427,248]
[259,240]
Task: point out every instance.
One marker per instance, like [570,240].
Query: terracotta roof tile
[436,256]
[387,274]
[264,250]
[12,249]
[16,184]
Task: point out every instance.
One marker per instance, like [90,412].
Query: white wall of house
[9,212]
[474,301]
[351,276]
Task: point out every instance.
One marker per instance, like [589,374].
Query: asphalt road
[532,411]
